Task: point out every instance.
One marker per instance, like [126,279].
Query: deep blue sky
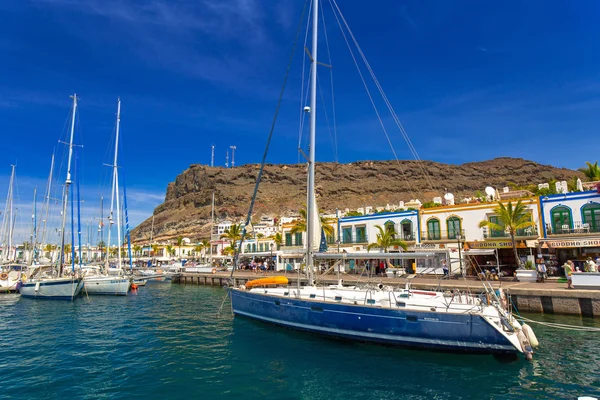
[470,80]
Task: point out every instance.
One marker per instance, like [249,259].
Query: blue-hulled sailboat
[384,315]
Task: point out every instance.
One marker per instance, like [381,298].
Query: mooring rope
[560,326]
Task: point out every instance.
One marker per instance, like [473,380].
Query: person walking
[445,267]
[568,266]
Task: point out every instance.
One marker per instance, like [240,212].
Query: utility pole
[232,155]
[212,156]
[227,160]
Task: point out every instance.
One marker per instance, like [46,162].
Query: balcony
[442,235]
[527,232]
[576,228]
[355,239]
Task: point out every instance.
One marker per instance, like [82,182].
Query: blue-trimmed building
[571,225]
[357,232]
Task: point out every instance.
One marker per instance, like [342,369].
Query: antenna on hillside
[232,155]
[212,156]
[227,160]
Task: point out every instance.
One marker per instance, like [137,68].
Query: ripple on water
[166,343]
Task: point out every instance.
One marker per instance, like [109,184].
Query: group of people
[257,265]
[570,268]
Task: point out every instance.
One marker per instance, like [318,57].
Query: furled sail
[316,225]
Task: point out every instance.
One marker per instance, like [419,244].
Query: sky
[469,81]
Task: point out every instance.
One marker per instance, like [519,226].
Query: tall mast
[78,211]
[127,233]
[101,226]
[116,175]
[311,155]
[66,193]
[7,218]
[33,228]
[47,199]
[212,226]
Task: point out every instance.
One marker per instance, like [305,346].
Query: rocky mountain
[187,207]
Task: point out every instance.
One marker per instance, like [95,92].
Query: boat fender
[525,345]
[214,271]
[37,287]
[530,335]
[4,276]
[134,286]
[243,287]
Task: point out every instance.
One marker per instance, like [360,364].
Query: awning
[480,252]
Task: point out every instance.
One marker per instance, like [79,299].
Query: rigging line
[302,97]
[386,100]
[333,144]
[264,158]
[408,185]
[336,155]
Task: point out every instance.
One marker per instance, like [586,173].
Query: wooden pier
[549,297]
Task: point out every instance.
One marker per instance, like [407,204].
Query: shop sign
[573,243]
[426,247]
[490,245]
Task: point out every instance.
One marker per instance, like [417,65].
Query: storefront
[505,260]
[558,251]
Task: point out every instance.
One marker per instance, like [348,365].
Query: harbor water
[167,342]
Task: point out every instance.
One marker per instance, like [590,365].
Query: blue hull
[417,329]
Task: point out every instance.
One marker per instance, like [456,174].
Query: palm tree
[592,172]
[198,249]
[155,249]
[386,239]
[300,224]
[179,243]
[277,239]
[510,219]
[170,250]
[234,233]
[67,252]
[137,249]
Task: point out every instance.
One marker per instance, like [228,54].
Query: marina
[170,339]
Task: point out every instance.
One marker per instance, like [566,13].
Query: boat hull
[464,332]
[106,285]
[55,289]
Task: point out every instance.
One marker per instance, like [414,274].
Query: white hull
[107,285]
[54,288]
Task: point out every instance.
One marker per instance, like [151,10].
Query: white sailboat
[377,314]
[43,282]
[111,281]
[9,274]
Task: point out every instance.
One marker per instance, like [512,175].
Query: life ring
[4,276]
[214,271]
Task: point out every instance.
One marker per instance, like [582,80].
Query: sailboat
[41,285]
[377,314]
[10,274]
[111,281]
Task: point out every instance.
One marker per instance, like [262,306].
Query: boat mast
[78,211]
[33,228]
[311,155]
[7,219]
[48,191]
[116,175]
[212,226]
[66,194]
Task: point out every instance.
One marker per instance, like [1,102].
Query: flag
[323,244]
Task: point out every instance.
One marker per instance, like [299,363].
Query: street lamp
[458,238]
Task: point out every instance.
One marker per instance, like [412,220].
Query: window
[298,238]
[561,219]
[496,233]
[526,231]
[347,235]
[390,227]
[453,227]
[288,239]
[361,234]
[254,247]
[433,229]
[260,247]
[591,215]
[406,229]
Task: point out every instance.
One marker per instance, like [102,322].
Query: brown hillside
[186,210]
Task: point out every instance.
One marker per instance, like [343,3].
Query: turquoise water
[167,343]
